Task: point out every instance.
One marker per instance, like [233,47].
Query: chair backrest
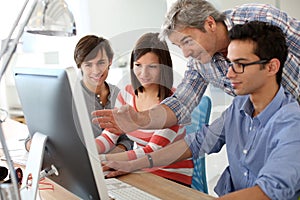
[200,116]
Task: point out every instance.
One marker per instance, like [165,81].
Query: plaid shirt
[197,76]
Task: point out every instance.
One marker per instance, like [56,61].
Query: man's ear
[210,23]
[273,66]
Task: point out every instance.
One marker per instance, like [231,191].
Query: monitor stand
[31,177]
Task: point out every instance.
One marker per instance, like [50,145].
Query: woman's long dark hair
[150,42]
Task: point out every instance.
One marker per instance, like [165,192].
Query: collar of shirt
[93,96]
[271,108]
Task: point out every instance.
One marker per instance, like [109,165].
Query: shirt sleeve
[188,94]
[106,141]
[280,176]
[159,139]
[209,139]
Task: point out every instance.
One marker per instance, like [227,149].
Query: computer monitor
[54,108]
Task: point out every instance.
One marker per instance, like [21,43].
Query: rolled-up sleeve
[209,139]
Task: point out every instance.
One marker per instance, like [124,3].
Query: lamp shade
[52,17]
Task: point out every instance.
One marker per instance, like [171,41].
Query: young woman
[151,82]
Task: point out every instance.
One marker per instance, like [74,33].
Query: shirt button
[245,151]
[245,173]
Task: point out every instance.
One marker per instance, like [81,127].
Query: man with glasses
[260,128]
[201,31]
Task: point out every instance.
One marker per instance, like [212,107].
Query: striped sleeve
[149,141]
[106,141]
[152,140]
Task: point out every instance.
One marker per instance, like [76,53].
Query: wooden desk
[162,187]
[158,186]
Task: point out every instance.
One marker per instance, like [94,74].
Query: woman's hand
[116,168]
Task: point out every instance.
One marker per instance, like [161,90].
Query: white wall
[122,22]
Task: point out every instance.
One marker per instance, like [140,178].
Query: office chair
[200,116]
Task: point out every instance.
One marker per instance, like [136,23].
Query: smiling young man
[93,55]
[260,128]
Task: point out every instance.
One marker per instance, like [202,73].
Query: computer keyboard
[120,190]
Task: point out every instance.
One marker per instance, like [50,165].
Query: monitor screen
[53,105]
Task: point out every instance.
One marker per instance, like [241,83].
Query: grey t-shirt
[93,104]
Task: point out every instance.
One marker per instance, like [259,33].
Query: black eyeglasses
[238,68]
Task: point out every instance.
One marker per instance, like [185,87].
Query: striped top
[148,141]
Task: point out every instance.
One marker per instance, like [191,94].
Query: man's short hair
[269,41]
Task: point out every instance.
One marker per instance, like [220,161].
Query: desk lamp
[46,17]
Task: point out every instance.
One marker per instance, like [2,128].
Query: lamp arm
[6,41]
[9,49]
